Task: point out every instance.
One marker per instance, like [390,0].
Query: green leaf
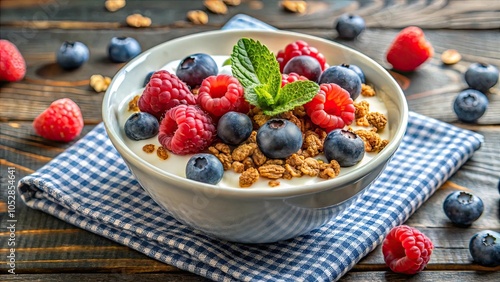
[292,95]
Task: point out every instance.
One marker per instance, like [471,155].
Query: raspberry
[298,48]
[163,92]
[409,49]
[186,129]
[406,250]
[12,64]
[220,94]
[291,77]
[61,121]
[331,108]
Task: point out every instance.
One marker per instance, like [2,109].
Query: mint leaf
[292,95]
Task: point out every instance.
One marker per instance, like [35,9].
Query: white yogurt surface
[176,164]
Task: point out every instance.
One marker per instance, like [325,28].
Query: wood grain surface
[52,250]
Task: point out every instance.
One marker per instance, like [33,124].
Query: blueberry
[484,248]
[141,125]
[233,128]
[357,70]
[147,78]
[463,208]
[344,77]
[72,55]
[279,138]
[122,49]
[481,76]
[205,168]
[195,68]
[304,65]
[344,146]
[470,105]
[349,26]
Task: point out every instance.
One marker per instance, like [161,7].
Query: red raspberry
[163,92]
[331,108]
[409,49]
[406,250]
[298,48]
[12,64]
[61,121]
[186,129]
[220,94]
[291,77]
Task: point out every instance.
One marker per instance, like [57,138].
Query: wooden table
[49,249]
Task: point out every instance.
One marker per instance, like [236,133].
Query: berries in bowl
[259,192]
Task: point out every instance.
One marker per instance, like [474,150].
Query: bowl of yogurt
[267,210]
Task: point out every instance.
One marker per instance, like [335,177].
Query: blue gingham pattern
[90,186]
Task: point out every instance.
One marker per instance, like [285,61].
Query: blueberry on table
[233,128]
[463,208]
[304,65]
[343,77]
[72,55]
[279,138]
[481,76]
[122,49]
[470,105]
[205,168]
[141,125]
[349,26]
[194,68]
[484,248]
[344,146]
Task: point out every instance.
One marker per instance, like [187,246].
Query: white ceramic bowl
[252,215]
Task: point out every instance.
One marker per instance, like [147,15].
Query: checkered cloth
[90,186]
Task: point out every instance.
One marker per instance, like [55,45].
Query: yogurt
[176,164]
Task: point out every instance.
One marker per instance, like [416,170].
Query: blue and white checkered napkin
[90,186]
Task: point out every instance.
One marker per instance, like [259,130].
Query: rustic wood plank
[108,277]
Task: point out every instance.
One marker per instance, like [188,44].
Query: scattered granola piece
[367,90]
[197,17]
[248,177]
[450,57]
[99,83]
[232,2]
[312,144]
[291,172]
[271,171]
[362,121]
[248,162]
[243,151]
[274,183]
[138,20]
[258,157]
[216,6]
[238,167]
[329,170]
[162,153]
[223,153]
[377,119]
[373,142]
[114,5]
[294,6]
[260,119]
[149,148]
[132,104]
[310,167]
[362,108]
[295,160]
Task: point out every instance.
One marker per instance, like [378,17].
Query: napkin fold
[89,186]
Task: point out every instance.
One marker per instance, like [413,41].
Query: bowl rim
[380,159]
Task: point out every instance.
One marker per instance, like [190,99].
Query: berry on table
[164,91]
[305,66]
[343,76]
[409,49]
[291,77]
[470,105]
[481,76]
[186,129]
[220,94]
[72,55]
[141,125]
[279,138]
[61,121]
[331,108]
[344,146]
[484,248]
[194,68]
[463,208]
[122,49]
[205,168]
[349,26]
[406,250]
[298,48]
[12,63]
[233,128]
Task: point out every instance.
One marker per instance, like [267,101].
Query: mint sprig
[258,71]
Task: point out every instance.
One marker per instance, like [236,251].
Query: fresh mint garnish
[258,71]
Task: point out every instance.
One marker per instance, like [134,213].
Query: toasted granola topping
[367,90]
[249,177]
[148,148]
[377,119]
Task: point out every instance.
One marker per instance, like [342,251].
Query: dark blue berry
[233,128]
[279,138]
[344,77]
[481,76]
[304,65]
[344,146]
[357,70]
[72,55]
[205,168]
[148,78]
[195,68]
[122,49]
[141,125]
[470,105]
[484,248]
[349,26]
[463,208]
